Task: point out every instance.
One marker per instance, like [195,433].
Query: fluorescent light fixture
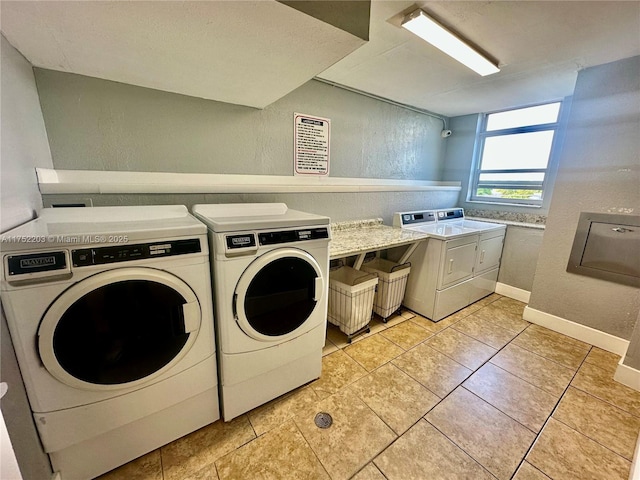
[429,30]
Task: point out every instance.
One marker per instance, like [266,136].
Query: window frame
[482,134]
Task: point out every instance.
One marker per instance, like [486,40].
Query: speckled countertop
[361,236]
[517,219]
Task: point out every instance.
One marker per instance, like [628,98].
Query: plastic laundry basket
[393,282]
[351,295]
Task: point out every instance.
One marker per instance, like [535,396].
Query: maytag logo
[37,262]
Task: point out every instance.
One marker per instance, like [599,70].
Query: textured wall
[24,146]
[520,256]
[100,125]
[24,140]
[599,172]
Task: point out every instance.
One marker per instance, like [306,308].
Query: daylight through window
[513,152]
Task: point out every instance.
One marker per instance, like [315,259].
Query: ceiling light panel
[429,30]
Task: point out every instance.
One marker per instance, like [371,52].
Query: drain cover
[323,420]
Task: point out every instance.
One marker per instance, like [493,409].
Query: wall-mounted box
[607,246]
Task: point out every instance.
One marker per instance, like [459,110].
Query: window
[513,149]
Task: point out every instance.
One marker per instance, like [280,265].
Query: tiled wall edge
[513,292]
[580,332]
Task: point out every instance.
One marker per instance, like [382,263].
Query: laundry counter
[360,237]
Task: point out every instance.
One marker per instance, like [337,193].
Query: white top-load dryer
[456,266]
[110,314]
[270,282]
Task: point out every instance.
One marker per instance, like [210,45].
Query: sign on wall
[311,142]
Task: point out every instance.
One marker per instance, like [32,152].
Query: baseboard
[513,292]
[627,375]
[580,332]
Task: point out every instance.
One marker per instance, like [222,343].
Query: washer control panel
[123,253]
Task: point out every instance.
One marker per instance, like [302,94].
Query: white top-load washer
[110,314]
[456,266]
[270,281]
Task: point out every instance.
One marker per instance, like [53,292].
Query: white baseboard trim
[513,292]
[627,375]
[580,332]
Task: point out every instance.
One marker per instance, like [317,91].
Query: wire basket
[393,283]
[351,294]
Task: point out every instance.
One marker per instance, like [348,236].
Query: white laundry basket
[351,295]
[393,282]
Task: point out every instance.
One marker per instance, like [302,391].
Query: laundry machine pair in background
[110,313]
[270,273]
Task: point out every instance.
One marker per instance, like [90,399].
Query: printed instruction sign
[311,139]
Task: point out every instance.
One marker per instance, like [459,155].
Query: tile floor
[480,395]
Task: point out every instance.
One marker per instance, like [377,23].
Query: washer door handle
[319,284]
[191,312]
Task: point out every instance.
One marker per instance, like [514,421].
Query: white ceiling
[254,52]
[540,47]
[233,51]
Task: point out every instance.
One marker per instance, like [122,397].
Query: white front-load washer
[109,310]
[270,276]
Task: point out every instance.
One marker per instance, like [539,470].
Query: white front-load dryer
[109,310]
[270,276]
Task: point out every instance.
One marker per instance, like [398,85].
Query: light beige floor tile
[503,318]
[562,453]
[433,327]
[370,472]
[373,352]
[147,467]
[529,472]
[484,331]
[378,318]
[407,334]
[555,347]
[376,325]
[189,455]
[394,320]
[432,369]
[559,337]
[545,374]
[600,383]
[425,453]
[356,436]
[407,313]
[461,348]
[338,370]
[278,411]
[510,305]
[603,359]
[395,397]
[522,401]
[336,337]
[329,347]
[459,315]
[493,439]
[281,453]
[606,424]
[483,302]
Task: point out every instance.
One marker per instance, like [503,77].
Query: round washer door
[277,294]
[119,328]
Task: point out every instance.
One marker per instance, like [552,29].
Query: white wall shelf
[53,181]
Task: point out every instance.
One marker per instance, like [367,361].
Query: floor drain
[323,420]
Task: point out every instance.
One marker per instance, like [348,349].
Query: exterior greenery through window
[513,149]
